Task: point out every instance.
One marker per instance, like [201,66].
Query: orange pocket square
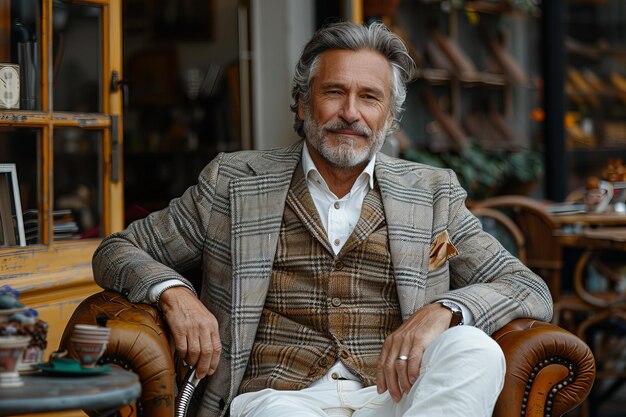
[441,250]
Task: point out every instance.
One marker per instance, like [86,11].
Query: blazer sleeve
[494,285]
[153,249]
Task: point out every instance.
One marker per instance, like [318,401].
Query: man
[335,279]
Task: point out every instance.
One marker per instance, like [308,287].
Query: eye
[370,97]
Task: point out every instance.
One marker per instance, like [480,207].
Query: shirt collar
[309,166]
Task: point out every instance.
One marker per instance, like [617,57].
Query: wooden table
[46,393]
[594,311]
[604,238]
[590,219]
[590,230]
[594,241]
[595,238]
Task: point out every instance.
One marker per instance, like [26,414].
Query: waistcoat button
[336,301]
[339,265]
[323,362]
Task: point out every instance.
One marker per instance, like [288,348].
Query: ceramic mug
[11,348]
[90,330]
[89,350]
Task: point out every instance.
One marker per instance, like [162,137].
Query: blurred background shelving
[595,87]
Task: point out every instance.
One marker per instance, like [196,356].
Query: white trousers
[462,374]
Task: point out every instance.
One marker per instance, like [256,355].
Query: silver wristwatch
[457,313]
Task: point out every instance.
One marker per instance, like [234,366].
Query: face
[348,116]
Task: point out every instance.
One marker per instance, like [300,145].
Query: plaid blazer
[229,223]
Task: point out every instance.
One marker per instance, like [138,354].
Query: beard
[344,155]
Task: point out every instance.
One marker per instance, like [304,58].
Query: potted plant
[485,173]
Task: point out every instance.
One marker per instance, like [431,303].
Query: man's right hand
[194,328]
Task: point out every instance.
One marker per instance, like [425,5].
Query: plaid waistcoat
[321,308]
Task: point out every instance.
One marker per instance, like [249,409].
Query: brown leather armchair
[549,370]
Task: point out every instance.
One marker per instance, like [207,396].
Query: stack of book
[31,226]
[64,225]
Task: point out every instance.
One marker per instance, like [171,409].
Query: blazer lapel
[409,216]
[299,199]
[371,218]
[257,205]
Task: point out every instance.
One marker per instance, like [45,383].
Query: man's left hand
[411,340]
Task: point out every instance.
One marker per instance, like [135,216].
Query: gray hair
[351,36]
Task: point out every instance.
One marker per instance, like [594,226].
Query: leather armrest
[139,341]
[549,370]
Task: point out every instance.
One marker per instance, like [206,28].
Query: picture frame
[11,220]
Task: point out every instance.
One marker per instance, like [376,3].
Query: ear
[301,111]
[389,121]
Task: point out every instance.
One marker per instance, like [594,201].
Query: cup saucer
[66,366]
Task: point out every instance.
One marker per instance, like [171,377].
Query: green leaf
[483,173]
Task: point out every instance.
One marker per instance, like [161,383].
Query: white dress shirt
[338,215]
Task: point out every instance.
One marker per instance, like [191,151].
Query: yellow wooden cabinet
[65,143]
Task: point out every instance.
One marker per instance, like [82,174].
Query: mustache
[355,127]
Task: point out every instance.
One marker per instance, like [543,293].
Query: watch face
[9,87]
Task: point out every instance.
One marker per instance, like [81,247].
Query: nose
[349,110]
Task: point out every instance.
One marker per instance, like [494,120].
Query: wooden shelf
[438,76]
[38,118]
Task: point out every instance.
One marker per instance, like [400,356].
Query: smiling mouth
[347,133]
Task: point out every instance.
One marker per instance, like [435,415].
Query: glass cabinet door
[61,183]
[61,137]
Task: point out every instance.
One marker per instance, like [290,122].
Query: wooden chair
[543,251]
